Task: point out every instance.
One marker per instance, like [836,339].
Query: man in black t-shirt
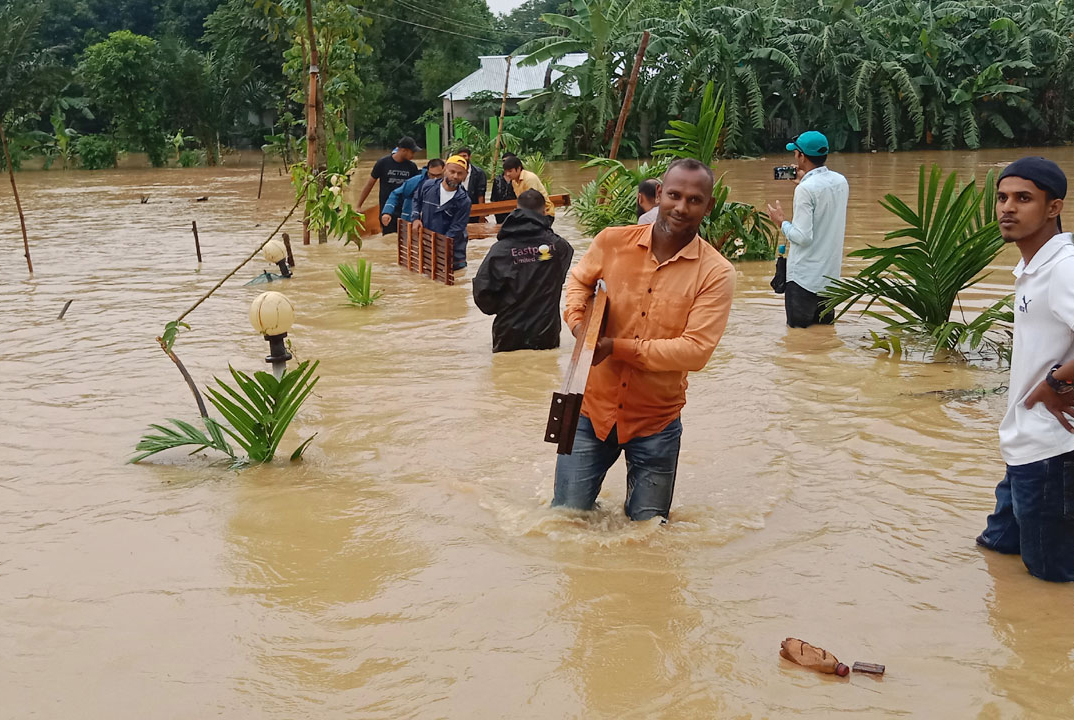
[392,171]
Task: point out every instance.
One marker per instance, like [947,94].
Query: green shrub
[97,152]
[191,158]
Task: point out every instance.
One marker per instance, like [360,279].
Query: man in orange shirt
[669,295]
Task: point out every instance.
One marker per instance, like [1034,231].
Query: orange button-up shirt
[665,318]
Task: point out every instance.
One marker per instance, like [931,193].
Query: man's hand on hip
[1058,405]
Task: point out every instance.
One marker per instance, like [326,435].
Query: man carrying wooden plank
[669,296]
[392,171]
[444,208]
[523,180]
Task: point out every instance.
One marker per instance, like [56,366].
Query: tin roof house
[490,78]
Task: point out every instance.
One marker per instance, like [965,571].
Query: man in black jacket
[521,279]
[476,182]
[502,190]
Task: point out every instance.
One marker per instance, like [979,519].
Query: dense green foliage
[952,237]
[872,74]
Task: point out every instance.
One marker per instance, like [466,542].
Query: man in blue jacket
[444,207]
[434,170]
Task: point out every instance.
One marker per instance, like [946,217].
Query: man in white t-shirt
[1034,513]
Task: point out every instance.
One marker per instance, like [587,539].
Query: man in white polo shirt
[1034,512]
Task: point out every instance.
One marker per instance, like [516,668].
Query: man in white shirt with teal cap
[815,234]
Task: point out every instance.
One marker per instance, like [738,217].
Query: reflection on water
[409,566]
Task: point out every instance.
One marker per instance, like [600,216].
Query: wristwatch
[1060,386]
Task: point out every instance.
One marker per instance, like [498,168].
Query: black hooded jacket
[521,284]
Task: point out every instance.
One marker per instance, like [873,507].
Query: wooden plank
[566,404]
[371,224]
[506,206]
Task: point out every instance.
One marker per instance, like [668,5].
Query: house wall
[465,109]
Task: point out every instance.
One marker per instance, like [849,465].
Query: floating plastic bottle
[810,656]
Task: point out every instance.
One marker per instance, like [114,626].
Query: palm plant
[700,140]
[611,199]
[953,236]
[258,414]
[356,281]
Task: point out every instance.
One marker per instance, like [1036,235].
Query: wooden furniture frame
[433,256]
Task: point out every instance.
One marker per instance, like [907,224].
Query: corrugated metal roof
[491,74]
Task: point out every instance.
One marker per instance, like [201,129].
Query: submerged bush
[97,152]
[191,158]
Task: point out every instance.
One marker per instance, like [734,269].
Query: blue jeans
[651,464]
[1034,516]
[460,253]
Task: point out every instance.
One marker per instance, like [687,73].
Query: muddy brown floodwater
[409,567]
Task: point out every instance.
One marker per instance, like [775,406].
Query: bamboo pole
[499,129]
[18,203]
[311,108]
[621,125]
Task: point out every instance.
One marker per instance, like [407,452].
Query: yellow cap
[458,160]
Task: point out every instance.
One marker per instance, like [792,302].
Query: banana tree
[600,29]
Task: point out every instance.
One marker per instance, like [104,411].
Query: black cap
[1042,172]
[407,143]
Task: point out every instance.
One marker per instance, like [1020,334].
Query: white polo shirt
[1043,337]
[816,231]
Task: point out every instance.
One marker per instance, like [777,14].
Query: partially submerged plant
[356,282]
[327,209]
[953,237]
[258,411]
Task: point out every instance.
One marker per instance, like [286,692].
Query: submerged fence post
[287,244]
[197,242]
[261,181]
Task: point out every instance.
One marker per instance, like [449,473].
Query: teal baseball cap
[810,143]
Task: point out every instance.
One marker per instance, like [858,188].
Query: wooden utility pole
[499,129]
[311,110]
[621,125]
[18,203]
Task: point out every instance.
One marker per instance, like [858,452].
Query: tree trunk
[18,203]
[631,86]
[322,150]
[312,119]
